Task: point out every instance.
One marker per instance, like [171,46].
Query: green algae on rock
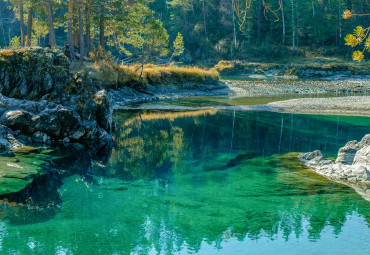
[18,169]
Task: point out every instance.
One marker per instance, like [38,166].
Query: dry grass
[170,74]
[112,75]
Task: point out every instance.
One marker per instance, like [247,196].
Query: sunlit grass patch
[171,74]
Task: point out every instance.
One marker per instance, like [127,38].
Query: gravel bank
[359,84]
[352,105]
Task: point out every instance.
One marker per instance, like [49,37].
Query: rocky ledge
[42,102]
[351,167]
[352,163]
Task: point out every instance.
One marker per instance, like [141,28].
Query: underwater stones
[310,155]
[16,172]
[240,158]
[352,163]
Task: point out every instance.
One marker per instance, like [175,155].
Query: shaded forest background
[212,29]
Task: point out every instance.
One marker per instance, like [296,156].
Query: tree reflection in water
[180,180]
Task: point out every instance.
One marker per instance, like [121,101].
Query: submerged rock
[18,169]
[352,163]
[235,161]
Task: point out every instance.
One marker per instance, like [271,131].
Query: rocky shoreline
[42,102]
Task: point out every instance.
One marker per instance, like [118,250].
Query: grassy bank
[111,75]
[305,67]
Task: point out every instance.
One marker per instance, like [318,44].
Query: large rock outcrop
[56,121]
[352,163]
[41,101]
[34,74]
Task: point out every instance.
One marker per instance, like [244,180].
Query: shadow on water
[38,198]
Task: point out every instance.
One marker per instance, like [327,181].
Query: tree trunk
[340,22]
[88,27]
[323,10]
[283,19]
[185,20]
[293,27]
[232,9]
[51,24]
[29,26]
[21,19]
[81,30]
[101,27]
[204,18]
[259,9]
[69,34]
[313,17]
[296,14]
[75,31]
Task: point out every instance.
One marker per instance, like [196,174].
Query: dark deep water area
[204,181]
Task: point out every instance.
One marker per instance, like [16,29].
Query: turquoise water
[195,182]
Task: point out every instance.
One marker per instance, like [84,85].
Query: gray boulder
[352,163]
[346,154]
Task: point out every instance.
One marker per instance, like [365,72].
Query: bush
[15,43]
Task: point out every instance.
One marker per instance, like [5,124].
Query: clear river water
[204,181]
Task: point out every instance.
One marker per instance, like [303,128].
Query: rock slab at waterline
[352,163]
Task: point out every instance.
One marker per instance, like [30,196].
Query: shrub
[15,43]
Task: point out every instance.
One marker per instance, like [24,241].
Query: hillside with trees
[210,30]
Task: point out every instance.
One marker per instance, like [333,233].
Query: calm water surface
[204,182]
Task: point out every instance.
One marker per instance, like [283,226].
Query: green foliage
[359,36]
[221,29]
[358,56]
[352,40]
[15,43]
[178,45]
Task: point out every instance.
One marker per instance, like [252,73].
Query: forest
[188,31]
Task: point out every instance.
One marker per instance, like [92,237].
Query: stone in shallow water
[17,172]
